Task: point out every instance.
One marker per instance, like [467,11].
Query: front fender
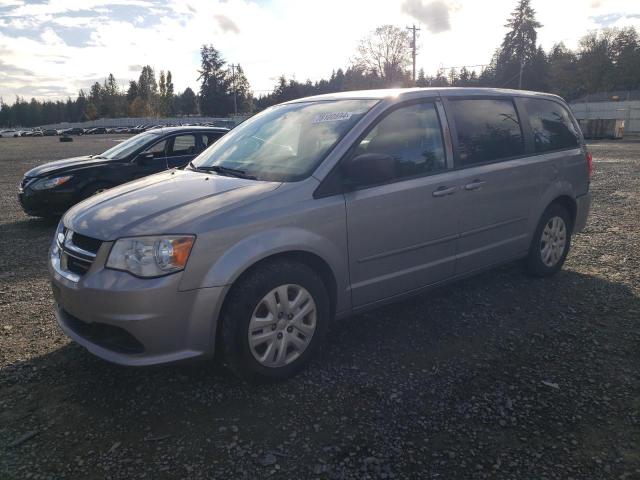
[262,244]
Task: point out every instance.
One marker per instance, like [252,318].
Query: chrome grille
[75,255]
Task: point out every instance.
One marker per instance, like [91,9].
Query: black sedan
[50,189]
[74,131]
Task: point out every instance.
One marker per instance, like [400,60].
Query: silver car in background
[315,209]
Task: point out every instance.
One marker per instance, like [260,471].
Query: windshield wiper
[219,169]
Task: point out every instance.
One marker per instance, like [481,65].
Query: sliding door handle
[475,185]
[444,191]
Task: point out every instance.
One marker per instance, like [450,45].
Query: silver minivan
[315,209]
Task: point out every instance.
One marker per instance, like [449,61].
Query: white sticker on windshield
[331,117]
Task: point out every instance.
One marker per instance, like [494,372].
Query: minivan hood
[168,202]
[60,166]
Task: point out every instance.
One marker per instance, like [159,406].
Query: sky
[52,48]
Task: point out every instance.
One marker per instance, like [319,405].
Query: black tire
[534,261]
[94,188]
[239,307]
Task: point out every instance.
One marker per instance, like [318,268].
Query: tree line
[145,97]
[605,60]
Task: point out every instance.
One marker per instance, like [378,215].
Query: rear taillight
[590,163]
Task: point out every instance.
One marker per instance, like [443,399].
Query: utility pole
[413,47]
[521,70]
[233,79]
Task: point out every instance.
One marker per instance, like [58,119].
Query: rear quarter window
[551,125]
[488,130]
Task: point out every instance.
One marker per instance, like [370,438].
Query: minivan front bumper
[133,321]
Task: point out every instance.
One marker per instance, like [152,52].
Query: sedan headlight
[151,256]
[47,183]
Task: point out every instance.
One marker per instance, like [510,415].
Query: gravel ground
[498,376]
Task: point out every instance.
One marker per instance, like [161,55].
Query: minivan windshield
[284,143]
[129,146]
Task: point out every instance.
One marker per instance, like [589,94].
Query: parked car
[9,133]
[51,188]
[73,131]
[316,208]
[97,130]
[224,123]
[49,132]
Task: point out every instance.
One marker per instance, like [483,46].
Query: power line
[459,67]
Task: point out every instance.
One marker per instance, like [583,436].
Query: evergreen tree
[110,105]
[169,87]
[162,101]
[421,80]
[595,65]
[188,102]
[215,98]
[170,96]
[80,106]
[244,97]
[625,52]
[519,49]
[132,91]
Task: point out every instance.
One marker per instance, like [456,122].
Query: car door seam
[409,248]
[489,227]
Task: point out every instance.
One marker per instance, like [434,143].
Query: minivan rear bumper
[583,205]
[146,322]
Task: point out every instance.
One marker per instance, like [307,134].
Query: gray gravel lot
[499,376]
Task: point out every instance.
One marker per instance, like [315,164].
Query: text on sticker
[331,117]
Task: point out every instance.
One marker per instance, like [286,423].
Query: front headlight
[46,183]
[151,256]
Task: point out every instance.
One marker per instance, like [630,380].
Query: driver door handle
[475,185]
[443,191]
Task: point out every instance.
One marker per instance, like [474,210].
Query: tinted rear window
[488,130]
[551,125]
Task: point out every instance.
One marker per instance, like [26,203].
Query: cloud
[69,43]
[226,24]
[434,15]
[7,69]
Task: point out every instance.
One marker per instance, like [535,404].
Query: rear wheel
[274,321]
[551,242]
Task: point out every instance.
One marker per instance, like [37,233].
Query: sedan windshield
[284,143]
[129,146]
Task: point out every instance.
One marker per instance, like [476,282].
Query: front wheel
[551,242]
[274,321]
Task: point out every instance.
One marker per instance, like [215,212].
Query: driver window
[157,149]
[183,145]
[412,136]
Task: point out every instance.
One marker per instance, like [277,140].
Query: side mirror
[369,169]
[144,158]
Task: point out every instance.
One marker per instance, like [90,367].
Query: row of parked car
[39,132]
